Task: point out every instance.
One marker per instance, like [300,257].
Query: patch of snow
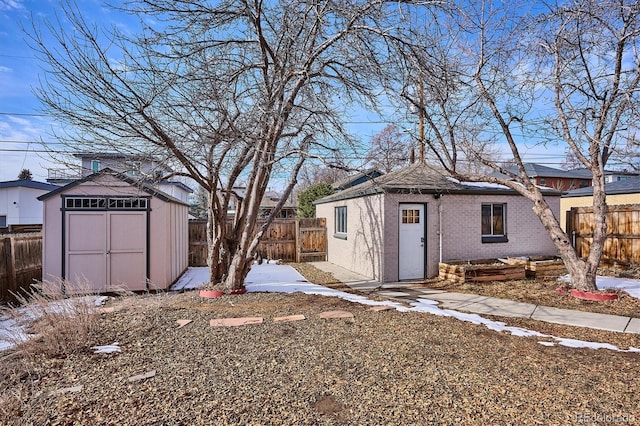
[631,286]
[421,305]
[107,349]
[12,330]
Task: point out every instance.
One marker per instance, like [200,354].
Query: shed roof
[28,184]
[120,176]
[421,179]
[624,186]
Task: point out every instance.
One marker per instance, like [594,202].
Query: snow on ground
[271,277]
[12,327]
[631,286]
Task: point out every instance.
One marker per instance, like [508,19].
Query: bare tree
[389,149]
[229,91]
[503,73]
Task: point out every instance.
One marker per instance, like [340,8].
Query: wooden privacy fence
[20,263]
[291,240]
[623,232]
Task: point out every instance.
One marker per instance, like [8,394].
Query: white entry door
[411,244]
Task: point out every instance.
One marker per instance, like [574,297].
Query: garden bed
[480,270]
[542,267]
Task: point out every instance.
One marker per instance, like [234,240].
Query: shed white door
[411,241]
[106,251]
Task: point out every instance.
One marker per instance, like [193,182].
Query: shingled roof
[624,186]
[419,179]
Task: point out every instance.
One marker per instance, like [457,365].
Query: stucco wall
[568,203]
[362,250]
[21,205]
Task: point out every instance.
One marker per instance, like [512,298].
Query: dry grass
[58,325]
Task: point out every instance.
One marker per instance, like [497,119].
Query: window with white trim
[3,221]
[341,222]
[494,223]
[95,166]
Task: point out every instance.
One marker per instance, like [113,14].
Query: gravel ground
[378,368]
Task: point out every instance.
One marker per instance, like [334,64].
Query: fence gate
[623,232]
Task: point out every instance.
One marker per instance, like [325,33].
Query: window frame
[493,237]
[340,222]
[95,166]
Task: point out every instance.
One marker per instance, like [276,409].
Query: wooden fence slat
[623,232]
[20,263]
[291,240]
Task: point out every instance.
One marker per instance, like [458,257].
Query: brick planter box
[480,270]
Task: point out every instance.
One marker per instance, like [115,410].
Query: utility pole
[421,122]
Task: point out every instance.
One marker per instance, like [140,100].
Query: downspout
[440,231]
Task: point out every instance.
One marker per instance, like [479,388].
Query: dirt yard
[376,368]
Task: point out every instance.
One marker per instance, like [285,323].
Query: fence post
[10,261]
[297,248]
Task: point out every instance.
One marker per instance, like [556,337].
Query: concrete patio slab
[501,307]
[457,297]
[429,291]
[400,284]
[633,326]
[580,319]
[392,293]
[350,278]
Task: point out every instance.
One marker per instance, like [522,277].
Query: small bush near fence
[20,263]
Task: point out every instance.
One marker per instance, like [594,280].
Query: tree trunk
[216,234]
[583,275]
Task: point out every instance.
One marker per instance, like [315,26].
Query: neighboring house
[609,175]
[136,166]
[356,179]
[139,167]
[107,232]
[625,191]
[400,225]
[267,204]
[19,205]
[550,177]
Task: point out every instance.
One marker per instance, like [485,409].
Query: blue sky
[22,126]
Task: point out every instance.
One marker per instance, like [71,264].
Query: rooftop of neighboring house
[588,174]
[28,184]
[356,179]
[625,186]
[270,200]
[538,170]
[420,179]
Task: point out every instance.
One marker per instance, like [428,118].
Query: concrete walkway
[407,292]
